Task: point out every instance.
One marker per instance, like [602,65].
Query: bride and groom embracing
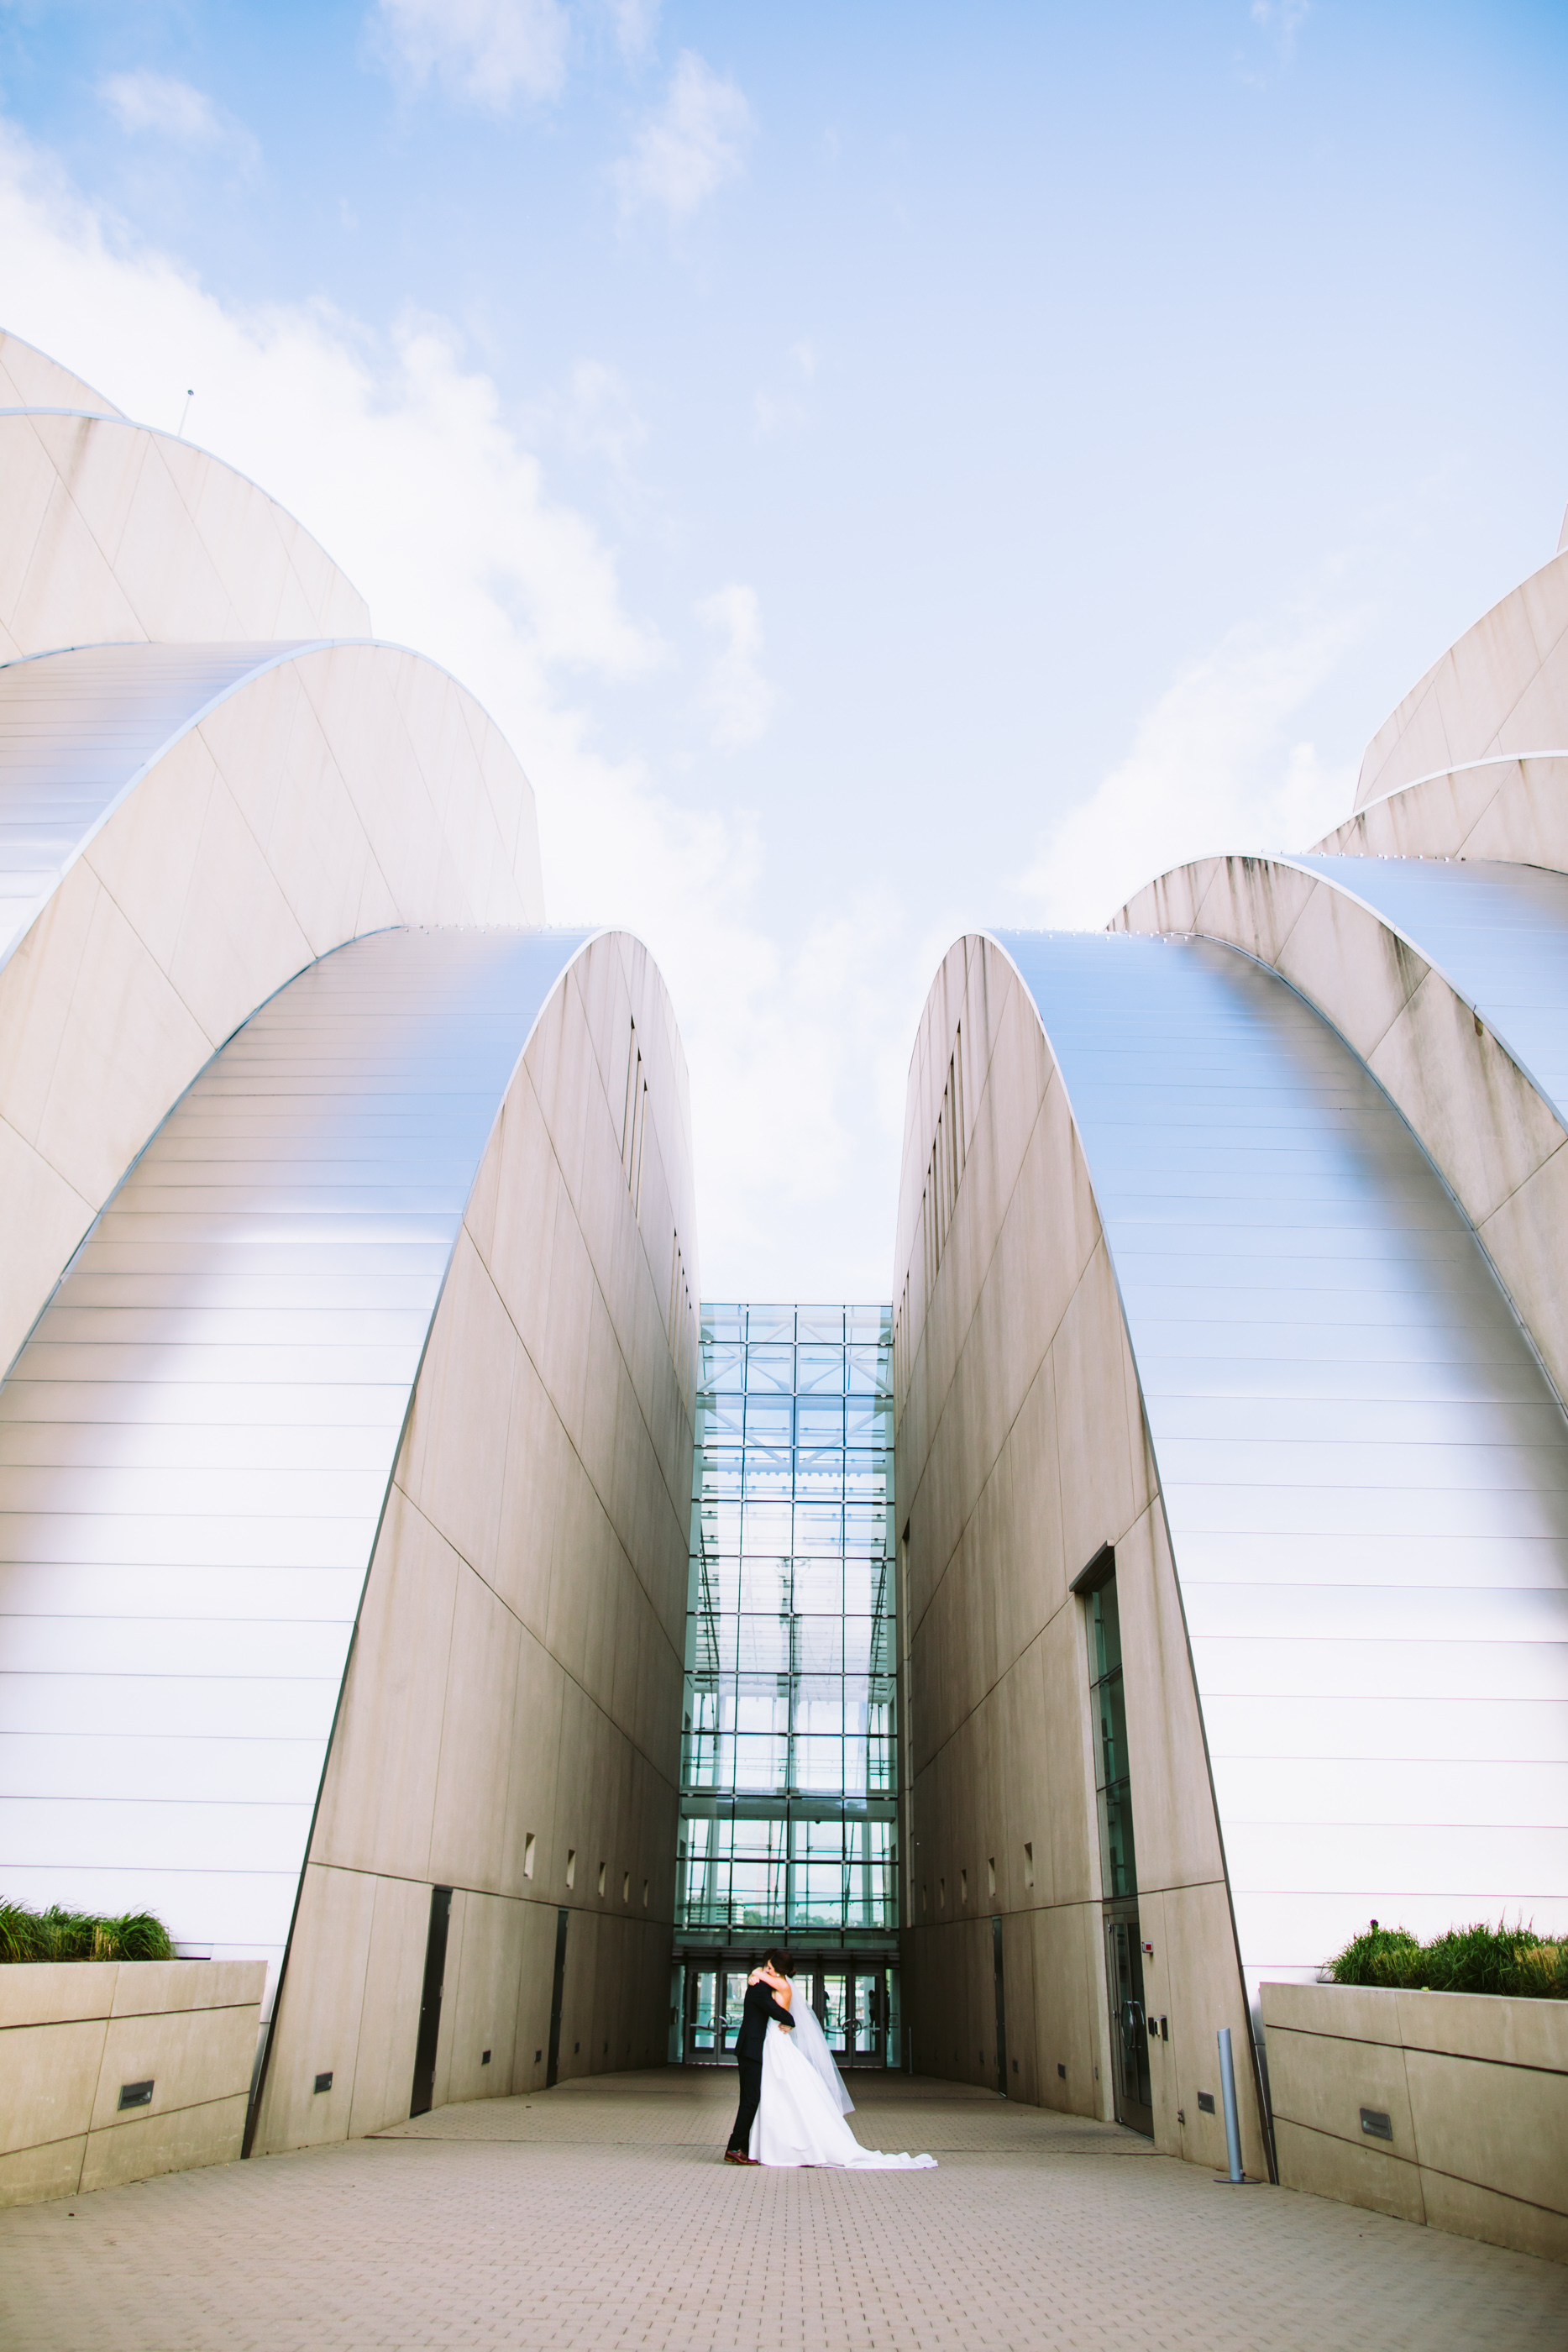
[792,2096]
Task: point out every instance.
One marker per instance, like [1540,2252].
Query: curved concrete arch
[1500,689]
[182,829]
[32,380]
[1450,981]
[112,530]
[1200,1295]
[376,1316]
[1512,808]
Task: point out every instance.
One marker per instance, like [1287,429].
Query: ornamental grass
[1502,1960]
[56,1935]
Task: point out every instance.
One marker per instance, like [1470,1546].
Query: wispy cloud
[599,417]
[737,699]
[158,106]
[1281,19]
[782,411]
[483,53]
[694,142]
[636,23]
[1215,765]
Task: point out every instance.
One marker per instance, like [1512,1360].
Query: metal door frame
[1123,1914]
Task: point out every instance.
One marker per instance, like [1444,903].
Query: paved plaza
[599,2215]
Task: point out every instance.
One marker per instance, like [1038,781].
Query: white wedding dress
[801,2119]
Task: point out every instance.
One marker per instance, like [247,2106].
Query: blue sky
[890,469]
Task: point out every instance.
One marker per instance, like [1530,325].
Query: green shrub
[1513,1960]
[56,1935]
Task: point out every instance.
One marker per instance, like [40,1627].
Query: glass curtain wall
[789,1770]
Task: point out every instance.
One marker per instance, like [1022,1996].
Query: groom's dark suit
[759,2008]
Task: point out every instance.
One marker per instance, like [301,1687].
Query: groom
[760,2006]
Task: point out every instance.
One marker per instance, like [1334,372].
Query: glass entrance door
[856,2008]
[852,2007]
[715,2000]
[868,2017]
[831,1999]
[1129,2025]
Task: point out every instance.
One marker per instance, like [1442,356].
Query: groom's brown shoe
[733,2155]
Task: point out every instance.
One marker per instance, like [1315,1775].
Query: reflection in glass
[1118,1861]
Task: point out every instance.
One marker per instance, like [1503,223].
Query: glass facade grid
[788,1755]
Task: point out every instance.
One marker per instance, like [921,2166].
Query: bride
[800,2119]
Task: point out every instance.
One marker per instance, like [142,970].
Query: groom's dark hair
[778,1961]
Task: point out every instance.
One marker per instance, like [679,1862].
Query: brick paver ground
[599,2216]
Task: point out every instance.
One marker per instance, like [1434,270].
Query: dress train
[798,2121]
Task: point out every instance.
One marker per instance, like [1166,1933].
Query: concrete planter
[173,2040]
[1449,2108]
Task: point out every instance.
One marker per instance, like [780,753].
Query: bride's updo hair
[778,1961]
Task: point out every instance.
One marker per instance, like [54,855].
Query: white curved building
[1231,1351]
[346,1432]
[352,1562]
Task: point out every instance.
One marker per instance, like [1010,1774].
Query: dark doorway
[430,2002]
[1129,2025]
[1001,2008]
[557,1998]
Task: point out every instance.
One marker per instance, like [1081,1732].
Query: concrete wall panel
[1020,1451]
[1500,687]
[516,1671]
[114,532]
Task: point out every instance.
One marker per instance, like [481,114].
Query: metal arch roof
[196,1442]
[1497,933]
[80,727]
[1363,1471]
[79,730]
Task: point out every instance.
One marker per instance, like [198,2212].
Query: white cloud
[398,458]
[737,699]
[1212,767]
[154,101]
[771,415]
[486,53]
[691,147]
[152,104]
[635,22]
[599,417]
[1281,18]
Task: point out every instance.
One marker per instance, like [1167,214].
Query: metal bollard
[1228,2086]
